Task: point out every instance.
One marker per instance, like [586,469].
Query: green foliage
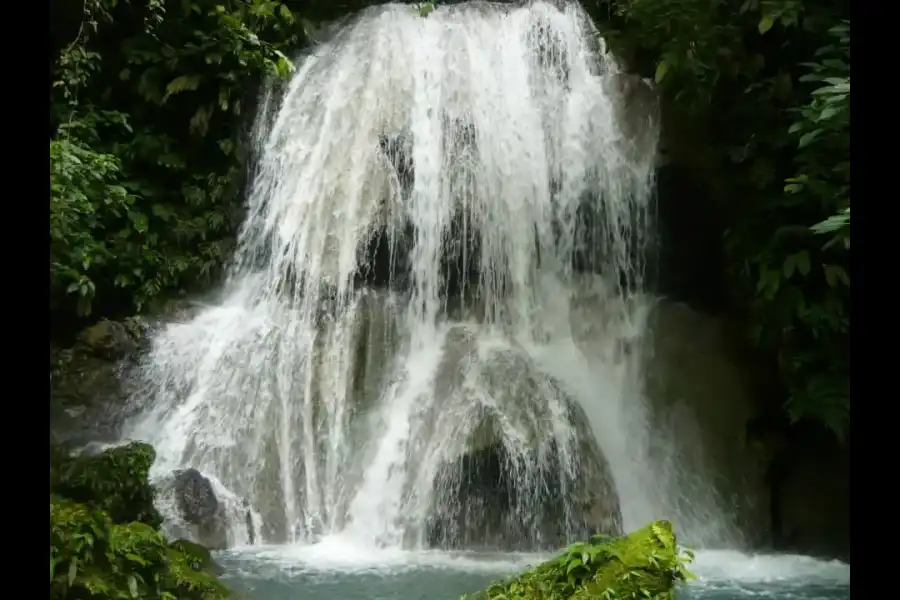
[93,557]
[823,131]
[424,9]
[147,164]
[85,194]
[644,564]
[104,541]
[767,87]
[196,557]
[114,482]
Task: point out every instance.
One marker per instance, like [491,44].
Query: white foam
[342,553]
[718,568]
[728,565]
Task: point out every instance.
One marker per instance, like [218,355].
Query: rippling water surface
[333,570]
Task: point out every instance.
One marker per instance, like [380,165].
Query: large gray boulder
[193,511]
[518,481]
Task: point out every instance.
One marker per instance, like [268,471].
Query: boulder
[200,516]
[114,481]
[89,383]
[643,564]
[108,339]
[514,482]
[488,505]
[196,511]
[196,496]
[198,557]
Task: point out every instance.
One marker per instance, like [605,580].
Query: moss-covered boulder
[643,565]
[198,557]
[115,481]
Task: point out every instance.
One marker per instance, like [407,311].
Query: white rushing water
[335,568]
[404,312]
[711,567]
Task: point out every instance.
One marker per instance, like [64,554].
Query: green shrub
[115,482]
[105,541]
[645,564]
[94,558]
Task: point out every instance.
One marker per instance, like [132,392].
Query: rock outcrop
[513,483]
[813,507]
[809,472]
[704,391]
[91,381]
[88,383]
[193,511]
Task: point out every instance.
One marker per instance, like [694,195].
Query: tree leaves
[158,117]
[661,70]
[808,138]
[779,147]
[798,262]
[183,83]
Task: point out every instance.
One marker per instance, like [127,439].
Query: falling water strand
[402,310]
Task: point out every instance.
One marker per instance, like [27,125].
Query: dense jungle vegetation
[762,87]
[151,103]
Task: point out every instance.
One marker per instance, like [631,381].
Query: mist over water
[442,265]
[333,569]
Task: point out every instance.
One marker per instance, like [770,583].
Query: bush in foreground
[643,565]
[105,542]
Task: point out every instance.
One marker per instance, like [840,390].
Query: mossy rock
[115,481]
[199,557]
[185,581]
[643,565]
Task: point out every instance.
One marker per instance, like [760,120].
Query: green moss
[645,564]
[115,482]
[197,556]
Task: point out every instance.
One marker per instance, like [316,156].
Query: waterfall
[432,332]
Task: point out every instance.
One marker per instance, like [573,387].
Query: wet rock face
[91,382]
[811,497]
[704,389]
[88,383]
[515,484]
[194,511]
[109,340]
[490,506]
[688,264]
[196,496]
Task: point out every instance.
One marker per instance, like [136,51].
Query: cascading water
[405,353]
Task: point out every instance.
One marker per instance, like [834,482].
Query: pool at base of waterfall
[333,570]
